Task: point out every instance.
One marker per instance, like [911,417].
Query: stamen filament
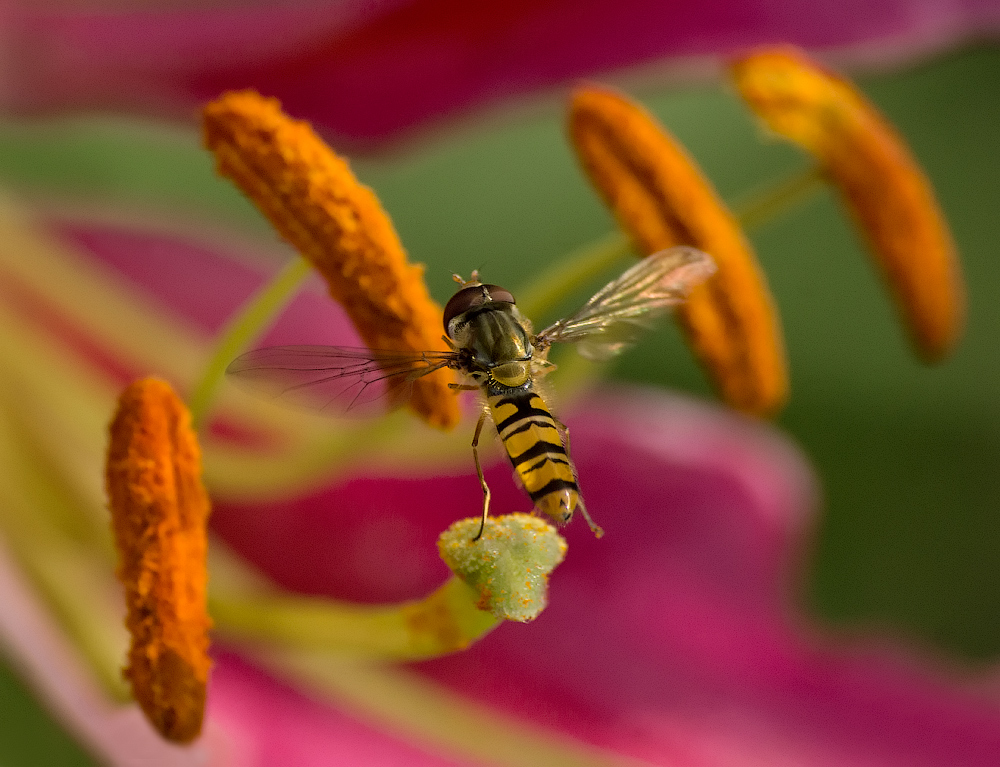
[68,573]
[572,272]
[588,261]
[248,323]
[764,204]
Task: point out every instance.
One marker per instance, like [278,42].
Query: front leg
[482,479]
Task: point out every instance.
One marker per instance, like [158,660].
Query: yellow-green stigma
[508,565]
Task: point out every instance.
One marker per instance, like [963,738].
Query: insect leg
[594,528]
[482,479]
[564,429]
[464,387]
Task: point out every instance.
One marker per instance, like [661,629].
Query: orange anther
[661,199]
[315,202]
[880,182]
[159,512]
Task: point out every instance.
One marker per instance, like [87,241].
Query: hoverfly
[492,344]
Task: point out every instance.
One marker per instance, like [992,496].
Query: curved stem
[444,622]
[249,322]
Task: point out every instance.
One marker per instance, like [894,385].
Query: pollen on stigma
[508,565]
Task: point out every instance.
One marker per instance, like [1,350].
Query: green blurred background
[907,539]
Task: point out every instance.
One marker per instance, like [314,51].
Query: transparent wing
[335,379]
[619,312]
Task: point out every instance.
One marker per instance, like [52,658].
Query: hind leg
[594,528]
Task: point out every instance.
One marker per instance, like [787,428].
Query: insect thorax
[495,342]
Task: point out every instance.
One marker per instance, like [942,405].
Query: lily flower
[670,641]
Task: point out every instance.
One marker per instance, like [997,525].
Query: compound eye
[471,297]
[500,294]
[461,302]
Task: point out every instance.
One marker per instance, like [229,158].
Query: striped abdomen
[535,448]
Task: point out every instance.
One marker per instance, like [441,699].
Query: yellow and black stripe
[536,450]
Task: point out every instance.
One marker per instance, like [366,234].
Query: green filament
[767,203]
[246,325]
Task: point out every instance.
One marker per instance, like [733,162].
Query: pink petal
[682,645]
[735,494]
[368,71]
[668,640]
